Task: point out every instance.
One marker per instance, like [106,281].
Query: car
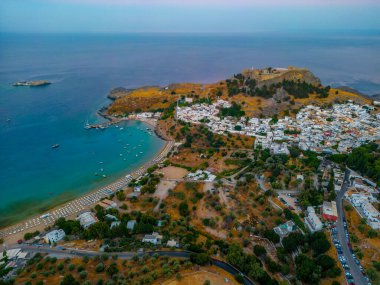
[20,241]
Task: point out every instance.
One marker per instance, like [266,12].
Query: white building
[284,229]
[371,213]
[54,236]
[86,219]
[312,221]
[131,224]
[154,238]
[172,243]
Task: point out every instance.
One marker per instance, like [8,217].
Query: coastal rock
[118,92]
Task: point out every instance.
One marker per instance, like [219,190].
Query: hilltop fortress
[269,76]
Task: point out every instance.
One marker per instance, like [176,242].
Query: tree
[60,266]
[200,258]
[272,236]
[319,243]
[83,274]
[325,261]
[120,195]
[184,209]
[372,233]
[112,269]
[293,241]
[294,152]
[99,267]
[259,250]
[239,278]
[85,259]
[69,280]
[98,230]
[307,271]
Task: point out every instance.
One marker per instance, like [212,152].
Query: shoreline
[70,209]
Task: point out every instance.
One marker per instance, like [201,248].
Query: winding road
[63,253]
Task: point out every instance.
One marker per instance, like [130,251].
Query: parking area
[291,201]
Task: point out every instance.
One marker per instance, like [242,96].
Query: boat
[45,216]
[55,146]
[87,126]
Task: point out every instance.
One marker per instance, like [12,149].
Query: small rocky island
[35,83]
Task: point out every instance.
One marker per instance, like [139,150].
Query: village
[324,130]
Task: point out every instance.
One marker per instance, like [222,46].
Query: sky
[188,16]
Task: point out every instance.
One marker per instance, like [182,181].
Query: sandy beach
[71,209]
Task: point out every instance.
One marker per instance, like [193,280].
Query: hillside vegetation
[260,92]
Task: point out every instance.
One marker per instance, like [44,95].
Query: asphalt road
[60,253]
[354,268]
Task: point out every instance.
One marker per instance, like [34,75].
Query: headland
[35,83]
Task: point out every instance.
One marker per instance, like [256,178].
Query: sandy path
[163,191]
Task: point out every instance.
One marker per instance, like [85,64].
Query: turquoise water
[83,68]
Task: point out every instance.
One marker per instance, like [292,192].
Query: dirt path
[163,191]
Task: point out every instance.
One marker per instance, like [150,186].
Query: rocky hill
[261,92]
[269,76]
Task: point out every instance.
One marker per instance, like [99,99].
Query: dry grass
[333,253]
[333,98]
[215,275]
[369,246]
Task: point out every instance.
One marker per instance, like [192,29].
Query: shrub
[99,267]
[85,259]
[71,267]
[80,268]
[60,266]
[259,250]
[239,278]
[83,274]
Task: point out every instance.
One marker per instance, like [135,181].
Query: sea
[83,68]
